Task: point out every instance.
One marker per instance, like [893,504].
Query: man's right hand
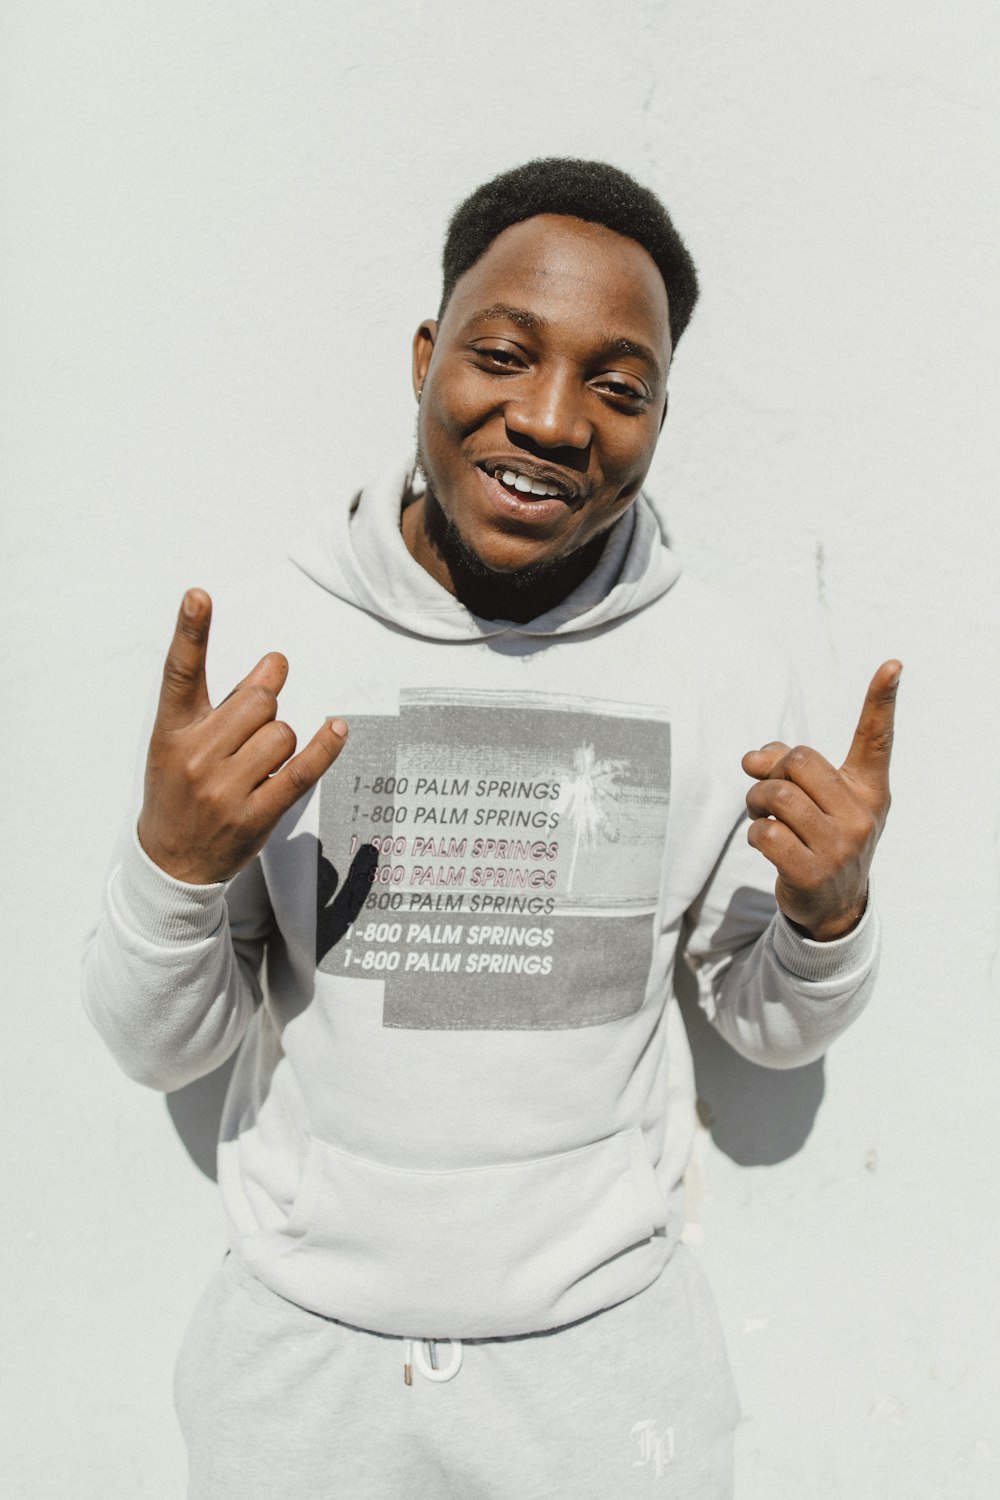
[218,779]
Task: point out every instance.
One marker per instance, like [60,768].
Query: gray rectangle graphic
[495,859]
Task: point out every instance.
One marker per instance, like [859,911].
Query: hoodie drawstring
[413,1354]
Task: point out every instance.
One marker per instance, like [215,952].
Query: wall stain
[821,574]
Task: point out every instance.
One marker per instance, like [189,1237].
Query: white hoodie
[463,1103]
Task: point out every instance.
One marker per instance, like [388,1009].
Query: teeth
[525,485]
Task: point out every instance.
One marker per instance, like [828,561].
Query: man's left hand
[818,825]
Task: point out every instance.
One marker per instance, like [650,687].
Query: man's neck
[518,596]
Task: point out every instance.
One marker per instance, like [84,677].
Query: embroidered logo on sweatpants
[656,1449]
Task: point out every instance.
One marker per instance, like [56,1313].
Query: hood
[355,549]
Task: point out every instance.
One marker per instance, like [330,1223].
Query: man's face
[549,366]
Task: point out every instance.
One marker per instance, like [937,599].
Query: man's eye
[505,357]
[621,388]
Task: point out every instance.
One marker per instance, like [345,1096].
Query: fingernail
[190,606]
[339,728]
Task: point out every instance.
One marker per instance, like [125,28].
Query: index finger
[184,692]
[871,746]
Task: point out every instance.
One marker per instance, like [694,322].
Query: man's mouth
[524,480]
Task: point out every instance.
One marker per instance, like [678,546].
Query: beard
[464,563]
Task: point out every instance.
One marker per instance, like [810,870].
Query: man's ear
[423,348]
[666,403]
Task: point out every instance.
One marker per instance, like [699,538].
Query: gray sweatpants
[277,1403]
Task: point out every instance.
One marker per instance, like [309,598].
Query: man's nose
[550,411]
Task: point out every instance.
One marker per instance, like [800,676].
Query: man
[453,1144]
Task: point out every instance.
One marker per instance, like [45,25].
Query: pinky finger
[300,774]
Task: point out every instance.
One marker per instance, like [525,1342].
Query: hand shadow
[337,909]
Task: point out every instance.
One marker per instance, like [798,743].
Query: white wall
[220,224]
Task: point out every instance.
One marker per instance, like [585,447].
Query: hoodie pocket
[473,1252]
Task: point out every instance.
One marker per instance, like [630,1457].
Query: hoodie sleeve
[171,972]
[777,997]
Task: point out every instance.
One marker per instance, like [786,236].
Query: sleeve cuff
[839,959]
[165,911]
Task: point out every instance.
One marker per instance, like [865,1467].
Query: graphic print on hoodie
[495,858]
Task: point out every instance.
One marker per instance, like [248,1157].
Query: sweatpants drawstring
[413,1354]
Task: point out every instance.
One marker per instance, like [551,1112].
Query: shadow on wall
[196,1111]
[757,1116]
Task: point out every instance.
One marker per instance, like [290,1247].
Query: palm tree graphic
[586,800]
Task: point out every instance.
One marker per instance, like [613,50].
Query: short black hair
[590,190]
